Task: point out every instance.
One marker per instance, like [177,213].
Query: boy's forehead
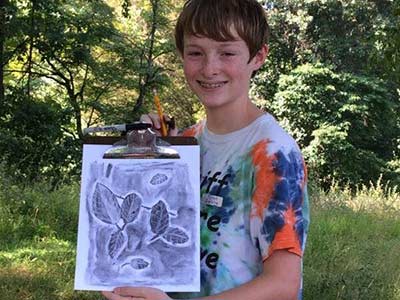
[198,38]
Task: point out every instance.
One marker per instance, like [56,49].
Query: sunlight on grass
[43,269]
[374,198]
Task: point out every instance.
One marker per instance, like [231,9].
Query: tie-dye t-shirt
[254,201]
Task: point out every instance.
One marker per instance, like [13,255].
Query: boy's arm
[280,279]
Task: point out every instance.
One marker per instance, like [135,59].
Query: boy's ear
[260,56]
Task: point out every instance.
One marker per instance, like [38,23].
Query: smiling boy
[254,208]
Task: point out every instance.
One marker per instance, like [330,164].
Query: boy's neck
[219,121]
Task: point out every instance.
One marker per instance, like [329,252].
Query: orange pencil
[164,131]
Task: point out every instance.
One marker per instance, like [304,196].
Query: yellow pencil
[164,131]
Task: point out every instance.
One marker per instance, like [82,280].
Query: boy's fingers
[141,293]
[112,296]
[152,119]
[173,131]
[145,119]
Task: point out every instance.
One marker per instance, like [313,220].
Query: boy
[254,208]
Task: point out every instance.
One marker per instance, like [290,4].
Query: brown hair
[214,19]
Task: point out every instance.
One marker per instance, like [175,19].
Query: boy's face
[219,72]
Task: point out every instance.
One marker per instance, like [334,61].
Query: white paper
[139,222]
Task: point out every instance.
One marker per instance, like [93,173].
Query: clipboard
[139,218]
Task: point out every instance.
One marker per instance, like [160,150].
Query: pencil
[164,131]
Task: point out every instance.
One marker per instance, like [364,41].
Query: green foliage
[79,64]
[359,37]
[99,61]
[33,144]
[347,124]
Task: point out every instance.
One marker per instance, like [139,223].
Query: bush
[34,145]
[347,124]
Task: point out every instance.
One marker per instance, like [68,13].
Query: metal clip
[141,144]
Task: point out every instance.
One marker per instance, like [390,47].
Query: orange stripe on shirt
[286,238]
[265,178]
[194,130]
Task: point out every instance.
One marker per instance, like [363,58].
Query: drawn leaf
[130,207]
[116,244]
[139,263]
[159,218]
[105,205]
[158,179]
[175,236]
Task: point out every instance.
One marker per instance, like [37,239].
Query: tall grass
[353,251]
[353,246]
[38,230]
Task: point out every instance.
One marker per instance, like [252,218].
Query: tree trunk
[3,4]
[31,42]
[149,76]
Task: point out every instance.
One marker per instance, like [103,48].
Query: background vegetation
[332,79]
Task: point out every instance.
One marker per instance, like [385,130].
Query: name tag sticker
[212,200]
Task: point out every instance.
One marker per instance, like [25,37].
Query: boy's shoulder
[266,132]
[277,137]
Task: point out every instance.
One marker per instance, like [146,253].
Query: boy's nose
[210,67]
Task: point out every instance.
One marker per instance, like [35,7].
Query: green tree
[347,124]
[33,145]
[51,56]
[359,37]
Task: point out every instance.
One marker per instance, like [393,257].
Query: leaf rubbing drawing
[174,235]
[116,244]
[105,205]
[139,263]
[159,218]
[158,179]
[130,207]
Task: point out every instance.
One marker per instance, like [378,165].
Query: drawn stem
[153,239]
[170,213]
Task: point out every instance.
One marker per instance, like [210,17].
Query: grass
[352,250]
[354,245]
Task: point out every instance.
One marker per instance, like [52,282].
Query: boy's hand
[154,120]
[133,293]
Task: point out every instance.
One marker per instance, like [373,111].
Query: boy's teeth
[211,85]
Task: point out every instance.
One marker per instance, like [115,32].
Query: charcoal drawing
[140,228]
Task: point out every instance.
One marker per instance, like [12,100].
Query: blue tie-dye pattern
[275,219]
[288,193]
[228,208]
[298,175]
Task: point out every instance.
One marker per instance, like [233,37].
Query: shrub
[34,144]
[347,124]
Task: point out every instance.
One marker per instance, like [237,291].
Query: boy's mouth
[211,85]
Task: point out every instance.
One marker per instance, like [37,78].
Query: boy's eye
[194,53]
[228,54]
